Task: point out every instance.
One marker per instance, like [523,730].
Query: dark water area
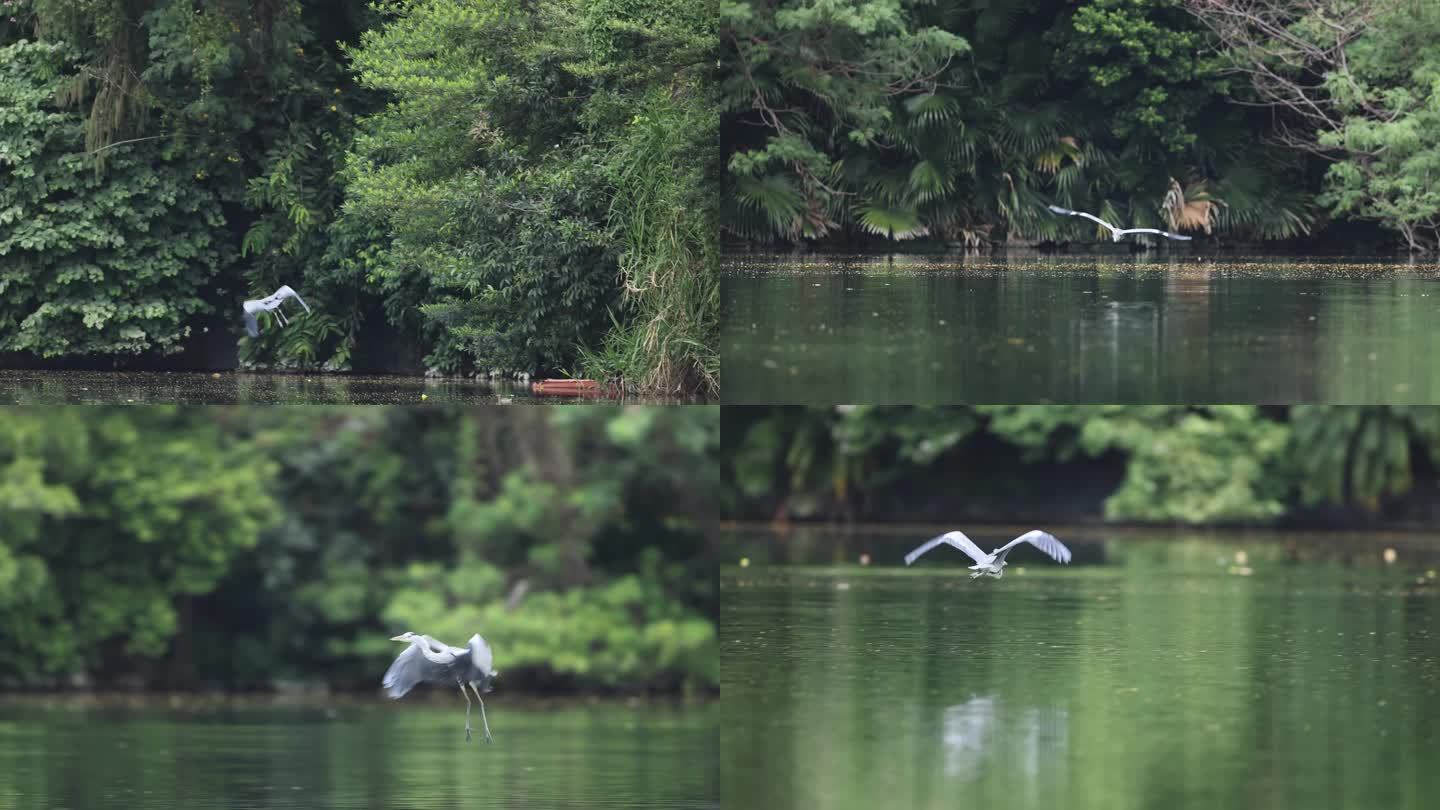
[1164,669]
[938,329]
[396,755]
[124,387]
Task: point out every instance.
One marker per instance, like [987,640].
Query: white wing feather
[956,539]
[1152,230]
[1042,540]
[480,655]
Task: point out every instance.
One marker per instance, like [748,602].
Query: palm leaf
[894,222]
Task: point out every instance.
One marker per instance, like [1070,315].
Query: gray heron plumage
[993,564]
[1115,233]
[270,304]
[429,661]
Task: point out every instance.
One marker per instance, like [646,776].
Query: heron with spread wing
[993,564]
[1115,233]
[429,661]
[270,304]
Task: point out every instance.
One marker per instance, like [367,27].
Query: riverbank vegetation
[957,123]
[1310,465]
[456,185]
[243,548]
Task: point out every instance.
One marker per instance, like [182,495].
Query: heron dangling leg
[467,712]
[485,722]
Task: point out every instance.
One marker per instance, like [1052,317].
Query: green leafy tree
[116,516]
[108,260]
[521,221]
[1387,93]
[995,110]
[817,88]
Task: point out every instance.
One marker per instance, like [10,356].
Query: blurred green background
[1303,465]
[278,548]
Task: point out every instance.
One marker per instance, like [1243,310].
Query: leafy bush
[96,260]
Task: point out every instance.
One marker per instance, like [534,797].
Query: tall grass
[665,213]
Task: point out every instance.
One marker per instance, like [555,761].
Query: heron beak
[398,638]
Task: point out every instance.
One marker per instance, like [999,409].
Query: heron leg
[467,712]
[485,722]
[280,316]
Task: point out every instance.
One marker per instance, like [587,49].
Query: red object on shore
[570,388]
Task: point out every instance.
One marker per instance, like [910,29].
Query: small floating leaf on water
[1015,341]
[1389,556]
[744,562]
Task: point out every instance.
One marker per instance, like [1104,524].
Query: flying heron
[993,564]
[429,661]
[1115,232]
[270,304]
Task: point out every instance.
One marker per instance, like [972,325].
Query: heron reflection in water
[986,727]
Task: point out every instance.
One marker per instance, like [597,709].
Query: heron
[429,661]
[1115,232]
[270,304]
[993,564]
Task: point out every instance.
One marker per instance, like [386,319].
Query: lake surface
[403,755]
[1167,671]
[938,329]
[122,387]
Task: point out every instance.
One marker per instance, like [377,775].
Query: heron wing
[272,301]
[480,654]
[956,539]
[415,664]
[297,297]
[1044,541]
[1057,209]
[252,327]
[1153,230]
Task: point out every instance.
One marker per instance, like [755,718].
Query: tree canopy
[960,122]
[460,186]
[1199,465]
[239,547]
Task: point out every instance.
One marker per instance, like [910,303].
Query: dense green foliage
[961,121]
[1388,146]
[113,260]
[1194,465]
[240,546]
[513,205]
[526,187]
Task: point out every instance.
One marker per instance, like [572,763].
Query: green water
[403,755]
[1148,674]
[940,330]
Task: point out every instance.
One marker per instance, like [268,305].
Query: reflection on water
[1032,735]
[1154,672]
[112,387]
[935,329]
[410,755]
